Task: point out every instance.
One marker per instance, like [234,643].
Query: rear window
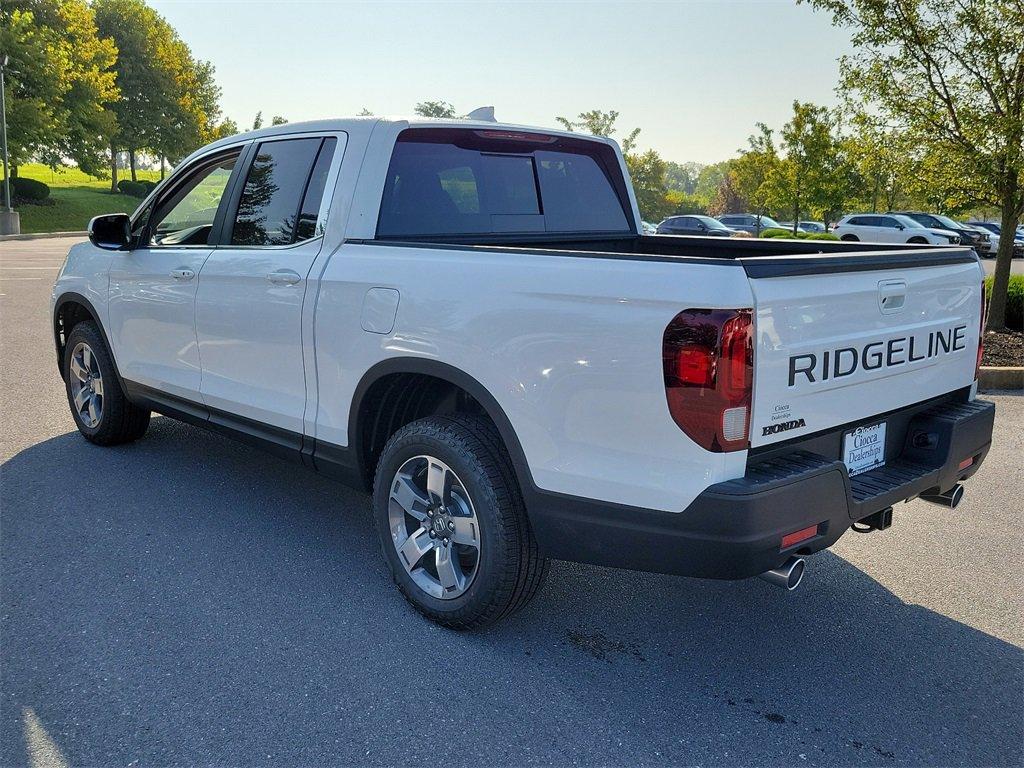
[464,182]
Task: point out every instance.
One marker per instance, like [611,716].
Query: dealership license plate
[864,448]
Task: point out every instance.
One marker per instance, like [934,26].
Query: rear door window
[283,189]
[459,182]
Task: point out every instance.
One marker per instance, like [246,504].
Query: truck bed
[759,257]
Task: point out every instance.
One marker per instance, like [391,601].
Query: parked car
[694,225]
[648,228]
[995,231]
[969,235]
[466,318]
[748,222]
[891,228]
[804,226]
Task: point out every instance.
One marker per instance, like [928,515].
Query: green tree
[682,177]
[883,161]
[753,174]
[647,172]
[951,74]
[435,109]
[58,81]
[709,181]
[600,123]
[812,176]
[169,101]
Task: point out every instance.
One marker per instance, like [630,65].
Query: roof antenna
[482,113]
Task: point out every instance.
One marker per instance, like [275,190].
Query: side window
[887,222]
[272,201]
[185,216]
[310,225]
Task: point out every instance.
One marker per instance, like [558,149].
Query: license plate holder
[864,448]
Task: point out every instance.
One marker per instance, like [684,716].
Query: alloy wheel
[434,527]
[86,385]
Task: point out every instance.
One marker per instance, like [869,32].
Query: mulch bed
[1006,348]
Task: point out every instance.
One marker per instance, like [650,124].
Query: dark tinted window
[468,184]
[310,212]
[269,206]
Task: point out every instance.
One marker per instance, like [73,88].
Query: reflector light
[797,536]
[965,463]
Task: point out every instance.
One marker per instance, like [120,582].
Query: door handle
[182,274]
[284,277]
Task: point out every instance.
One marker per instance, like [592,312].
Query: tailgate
[859,337]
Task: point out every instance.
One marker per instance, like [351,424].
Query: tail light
[708,360]
[981,333]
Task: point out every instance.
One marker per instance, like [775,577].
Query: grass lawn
[76,198]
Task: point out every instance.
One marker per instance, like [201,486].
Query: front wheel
[451,522]
[102,412]
[850,238]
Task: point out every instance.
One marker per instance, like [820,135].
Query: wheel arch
[361,422]
[69,310]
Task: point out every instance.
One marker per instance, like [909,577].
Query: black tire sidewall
[86,332]
[487,585]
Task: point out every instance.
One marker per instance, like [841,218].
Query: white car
[466,318]
[891,228]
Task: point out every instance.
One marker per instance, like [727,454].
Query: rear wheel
[99,406]
[917,241]
[850,238]
[451,522]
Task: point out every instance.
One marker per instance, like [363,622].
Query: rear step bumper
[734,529]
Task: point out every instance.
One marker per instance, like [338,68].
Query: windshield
[710,223]
[948,222]
[909,223]
[768,221]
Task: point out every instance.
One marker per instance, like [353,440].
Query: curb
[1000,377]
[42,235]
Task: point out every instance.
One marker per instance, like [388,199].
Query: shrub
[133,188]
[28,190]
[1014,301]
[149,185]
[821,236]
[777,232]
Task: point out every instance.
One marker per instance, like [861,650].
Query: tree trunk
[131,163]
[1001,281]
[162,158]
[874,196]
[113,167]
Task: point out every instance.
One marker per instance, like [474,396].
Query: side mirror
[900,226]
[112,231]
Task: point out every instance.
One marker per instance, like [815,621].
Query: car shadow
[187,599]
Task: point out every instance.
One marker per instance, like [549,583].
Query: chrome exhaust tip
[949,499]
[788,575]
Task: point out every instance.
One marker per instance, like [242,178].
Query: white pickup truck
[465,317]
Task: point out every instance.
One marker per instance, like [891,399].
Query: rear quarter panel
[569,346]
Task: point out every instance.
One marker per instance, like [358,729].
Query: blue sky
[695,76]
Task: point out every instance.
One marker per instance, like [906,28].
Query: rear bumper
[734,529]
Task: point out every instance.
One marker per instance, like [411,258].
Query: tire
[503,570]
[917,241]
[102,412]
[850,238]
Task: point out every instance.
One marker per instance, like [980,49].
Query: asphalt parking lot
[188,600]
